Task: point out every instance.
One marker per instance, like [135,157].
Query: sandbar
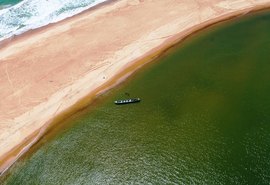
[43,73]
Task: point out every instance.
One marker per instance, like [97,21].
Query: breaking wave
[31,14]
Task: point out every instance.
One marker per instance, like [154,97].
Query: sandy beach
[54,71]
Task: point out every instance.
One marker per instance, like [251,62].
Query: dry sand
[44,72]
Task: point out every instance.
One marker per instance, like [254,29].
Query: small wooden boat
[127,101]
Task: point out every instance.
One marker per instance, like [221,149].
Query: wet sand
[56,70]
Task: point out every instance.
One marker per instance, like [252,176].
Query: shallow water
[204,119]
[4,4]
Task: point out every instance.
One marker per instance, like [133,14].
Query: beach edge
[17,151]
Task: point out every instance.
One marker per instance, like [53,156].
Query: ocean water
[204,119]
[19,16]
[8,3]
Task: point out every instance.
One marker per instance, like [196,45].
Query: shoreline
[7,159]
[15,38]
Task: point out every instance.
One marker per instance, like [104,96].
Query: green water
[9,2]
[204,119]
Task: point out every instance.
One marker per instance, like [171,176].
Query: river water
[204,118]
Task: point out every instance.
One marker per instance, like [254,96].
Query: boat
[127,101]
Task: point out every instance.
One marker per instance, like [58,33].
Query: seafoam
[32,14]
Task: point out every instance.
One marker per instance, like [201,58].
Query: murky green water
[204,119]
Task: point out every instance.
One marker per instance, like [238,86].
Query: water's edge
[14,38]
[26,15]
[20,150]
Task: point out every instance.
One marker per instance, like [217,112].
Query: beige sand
[44,72]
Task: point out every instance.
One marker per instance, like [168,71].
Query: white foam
[32,14]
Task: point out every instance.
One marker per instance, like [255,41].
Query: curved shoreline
[128,66]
